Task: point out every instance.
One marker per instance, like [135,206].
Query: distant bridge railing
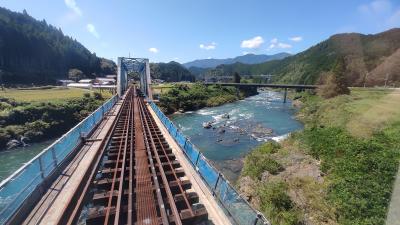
[21,184]
[293,86]
[237,208]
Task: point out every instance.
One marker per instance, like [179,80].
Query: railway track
[137,179]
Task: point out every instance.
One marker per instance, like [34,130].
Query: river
[251,122]
[13,159]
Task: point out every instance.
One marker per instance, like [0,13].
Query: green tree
[335,83]
[236,77]
[75,74]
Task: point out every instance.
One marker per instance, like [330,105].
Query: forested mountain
[170,72]
[370,59]
[33,51]
[247,59]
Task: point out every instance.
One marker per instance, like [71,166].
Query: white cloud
[296,39]
[276,44]
[284,45]
[153,50]
[92,29]
[210,46]
[255,42]
[73,6]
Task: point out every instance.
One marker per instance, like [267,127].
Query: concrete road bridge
[126,163]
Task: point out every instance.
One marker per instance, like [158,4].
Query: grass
[45,95]
[362,113]
[373,111]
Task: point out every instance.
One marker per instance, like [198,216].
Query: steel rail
[124,133]
[151,121]
[167,189]
[122,175]
[160,200]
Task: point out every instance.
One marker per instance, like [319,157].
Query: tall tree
[236,77]
[75,74]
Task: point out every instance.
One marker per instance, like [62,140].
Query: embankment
[339,170]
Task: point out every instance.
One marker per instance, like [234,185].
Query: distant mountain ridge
[372,59]
[246,59]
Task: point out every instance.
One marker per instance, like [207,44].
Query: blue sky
[184,30]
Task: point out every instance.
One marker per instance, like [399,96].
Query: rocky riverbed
[237,128]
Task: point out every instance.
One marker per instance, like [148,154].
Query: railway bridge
[126,163]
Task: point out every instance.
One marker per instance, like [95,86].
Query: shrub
[260,160]
[40,121]
[335,83]
[97,96]
[277,205]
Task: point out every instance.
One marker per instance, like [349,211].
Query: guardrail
[237,208]
[19,186]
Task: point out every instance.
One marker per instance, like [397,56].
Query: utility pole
[386,79]
[365,78]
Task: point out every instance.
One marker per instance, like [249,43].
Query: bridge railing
[237,208]
[20,185]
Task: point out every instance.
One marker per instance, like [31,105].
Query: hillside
[247,59]
[170,72]
[369,58]
[33,51]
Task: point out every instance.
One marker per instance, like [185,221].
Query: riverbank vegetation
[43,114]
[339,170]
[196,96]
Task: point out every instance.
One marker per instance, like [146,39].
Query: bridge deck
[129,171]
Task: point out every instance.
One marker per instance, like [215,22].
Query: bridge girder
[140,65]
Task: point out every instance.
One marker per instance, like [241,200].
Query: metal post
[197,160]
[184,145]
[120,78]
[53,154]
[216,183]
[148,80]
[285,95]
[41,167]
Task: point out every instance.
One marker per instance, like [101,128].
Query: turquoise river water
[251,122]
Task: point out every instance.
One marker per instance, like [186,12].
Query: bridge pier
[285,96]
